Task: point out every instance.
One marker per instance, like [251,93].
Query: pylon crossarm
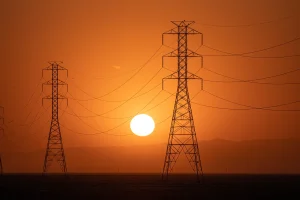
[171,76]
[46,83]
[171,54]
[183,23]
[171,31]
[57,67]
[46,97]
[60,96]
[191,53]
[163,58]
[193,31]
[55,62]
[50,82]
[194,76]
[60,82]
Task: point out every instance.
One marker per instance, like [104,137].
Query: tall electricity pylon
[182,136]
[55,148]
[1,132]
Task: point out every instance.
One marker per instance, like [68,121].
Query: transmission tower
[182,136]
[2,132]
[55,150]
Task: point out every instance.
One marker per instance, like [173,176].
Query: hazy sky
[103,43]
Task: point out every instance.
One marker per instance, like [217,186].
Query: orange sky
[104,39]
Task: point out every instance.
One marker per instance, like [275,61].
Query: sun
[142,125]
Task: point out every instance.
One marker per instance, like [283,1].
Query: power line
[35,133]
[245,53]
[241,55]
[95,98]
[106,132]
[44,123]
[32,109]
[252,80]
[39,83]
[117,76]
[11,133]
[248,107]
[253,107]
[164,120]
[127,79]
[128,71]
[31,97]
[36,118]
[229,54]
[171,94]
[96,115]
[239,109]
[126,100]
[113,77]
[254,51]
[247,25]
[267,77]
[160,102]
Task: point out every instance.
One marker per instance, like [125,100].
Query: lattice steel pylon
[55,148]
[1,132]
[182,135]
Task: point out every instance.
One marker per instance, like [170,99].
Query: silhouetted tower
[182,136]
[1,132]
[55,150]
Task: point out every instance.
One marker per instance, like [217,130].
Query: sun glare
[142,125]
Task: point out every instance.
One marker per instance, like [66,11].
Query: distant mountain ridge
[217,156]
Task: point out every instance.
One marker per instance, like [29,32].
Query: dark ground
[137,186]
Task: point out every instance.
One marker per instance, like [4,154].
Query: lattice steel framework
[55,148]
[182,135]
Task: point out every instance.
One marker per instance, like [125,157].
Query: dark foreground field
[135,186]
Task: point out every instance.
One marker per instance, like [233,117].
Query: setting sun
[142,125]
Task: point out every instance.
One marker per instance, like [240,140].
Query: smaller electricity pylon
[55,148]
[2,132]
[182,135]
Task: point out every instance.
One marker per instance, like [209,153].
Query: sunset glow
[142,125]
